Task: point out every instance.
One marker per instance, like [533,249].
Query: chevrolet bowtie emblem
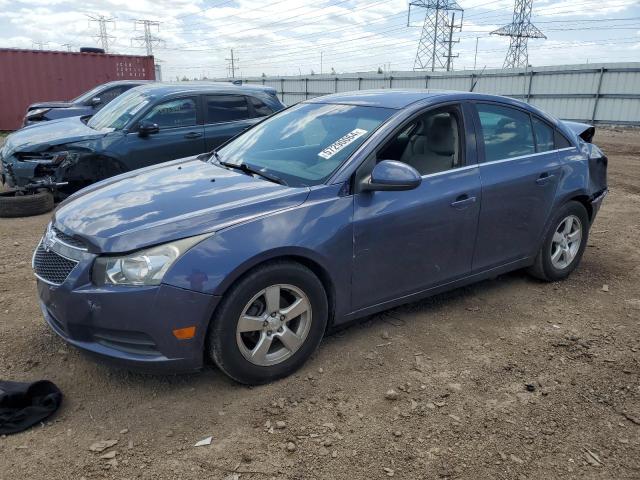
[49,239]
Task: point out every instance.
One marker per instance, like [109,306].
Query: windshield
[117,113]
[305,144]
[86,96]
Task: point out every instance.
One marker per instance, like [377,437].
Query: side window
[506,132]
[544,135]
[110,94]
[561,141]
[259,107]
[430,143]
[226,108]
[180,112]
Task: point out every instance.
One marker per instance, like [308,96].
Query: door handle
[463,201]
[192,135]
[544,178]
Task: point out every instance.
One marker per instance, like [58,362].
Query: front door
[180,134]
[520,170]
[408,241]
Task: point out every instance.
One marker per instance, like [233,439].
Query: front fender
[318,231]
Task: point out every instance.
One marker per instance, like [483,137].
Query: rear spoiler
[583,130]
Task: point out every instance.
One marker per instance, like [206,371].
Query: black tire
[222,344]
[12,205]
[543,267]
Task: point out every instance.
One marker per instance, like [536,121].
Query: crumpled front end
[25,170]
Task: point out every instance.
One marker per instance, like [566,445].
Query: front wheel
[564,243]
[269,323]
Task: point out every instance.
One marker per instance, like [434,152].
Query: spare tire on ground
[14,204]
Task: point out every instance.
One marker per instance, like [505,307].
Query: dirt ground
[507,379]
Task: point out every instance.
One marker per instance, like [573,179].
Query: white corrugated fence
[598,93]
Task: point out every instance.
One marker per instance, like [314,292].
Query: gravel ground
[507,379]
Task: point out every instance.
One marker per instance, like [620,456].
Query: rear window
[259,107]
[226,108]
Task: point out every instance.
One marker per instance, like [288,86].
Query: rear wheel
[564,243]
[268,323]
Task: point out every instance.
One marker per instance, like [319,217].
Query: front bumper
[130,327]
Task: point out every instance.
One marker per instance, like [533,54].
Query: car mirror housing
[95,101]
[392,175]
[147,128]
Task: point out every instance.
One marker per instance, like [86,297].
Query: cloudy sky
[288,37]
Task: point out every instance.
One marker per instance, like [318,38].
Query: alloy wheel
[566,242]
[274,324]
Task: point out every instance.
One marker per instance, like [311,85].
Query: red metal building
[28,76]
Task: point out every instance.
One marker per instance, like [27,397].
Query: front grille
[51,267]
[72,242]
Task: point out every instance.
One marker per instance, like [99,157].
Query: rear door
[225,117]
[180,134]
[520,170]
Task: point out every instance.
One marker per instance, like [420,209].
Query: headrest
[440,137]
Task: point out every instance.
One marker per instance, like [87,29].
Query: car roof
[127,82]
[166,88]
[402,98]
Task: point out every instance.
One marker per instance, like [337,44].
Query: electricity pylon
[520,30]
[434,48]
[102,35]
[147,39]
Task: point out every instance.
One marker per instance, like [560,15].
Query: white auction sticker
[341,143]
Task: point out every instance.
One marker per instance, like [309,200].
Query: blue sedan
[336,208]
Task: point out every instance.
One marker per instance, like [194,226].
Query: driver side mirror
[95,101]
[392,175]
[147,128]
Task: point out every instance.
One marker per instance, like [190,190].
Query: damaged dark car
[149,124]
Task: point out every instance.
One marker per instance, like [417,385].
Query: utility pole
[232,65]
[147,39]
[320,62]
[436,38]
[68,45]
[520,30]
[102,35]
[475,57]
[449,55]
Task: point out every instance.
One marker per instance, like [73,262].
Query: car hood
[174,200]
[50,134]
[50,105]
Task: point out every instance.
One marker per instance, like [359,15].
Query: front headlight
[38,112]
[144,267]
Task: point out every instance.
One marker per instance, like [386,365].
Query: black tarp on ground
[23,405]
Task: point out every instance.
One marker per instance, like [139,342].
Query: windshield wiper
[250,170]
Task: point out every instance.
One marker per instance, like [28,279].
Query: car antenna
[475,81]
